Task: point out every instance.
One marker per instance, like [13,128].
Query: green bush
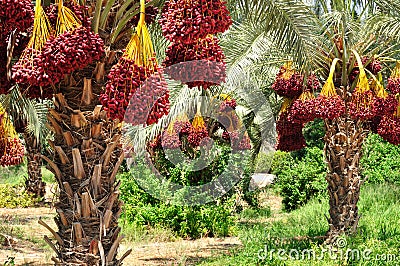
[263,162]
[251,213]
[13,196]
[281,162]
[298,180]
[380,161]
[14,175]
[314,133]
[141,209]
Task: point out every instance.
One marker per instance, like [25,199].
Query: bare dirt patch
[27,246]
[182,252]
[30,249]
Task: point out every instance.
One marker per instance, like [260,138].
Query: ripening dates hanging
[199,64]
[188,20]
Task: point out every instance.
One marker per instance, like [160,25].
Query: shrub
[300,180]
[281,162]
[141,209]
[380,161]
[251,213]
[13,196]
[314,133]
[263,162]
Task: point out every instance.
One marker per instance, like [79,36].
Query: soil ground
[27,246]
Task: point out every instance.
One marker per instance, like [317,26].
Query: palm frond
[183,100]
[385,25]
[33,112]
[37,121]
[249,92]
[292,26]
[256,50]
[390,7]
[160,43]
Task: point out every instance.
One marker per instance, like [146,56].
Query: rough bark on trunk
[34,184]
[343,145]
[87,155]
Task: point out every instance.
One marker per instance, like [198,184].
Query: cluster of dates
[388,126]
[124,79]
[372,104]
[303,109]
[60,55]
[11,151]
[290,134]
[149,102]
[197,64]
[387,121]
[170,140]
[11,148]
[240,141]
[227,105]
[393,85]
[289,83]
[136,91]
[33,70]
[361,105]
[160,108]
[195,57]
[32,92]
[185,21]
[74,50]
[329,107]
[172,137]
[136,94]
[15,14]
[389,129]
[197,135]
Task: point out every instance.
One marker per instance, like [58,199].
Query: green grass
[47,176]
[14,227]
[251,213]
[16,175]
[13,175]
[143,235]
[379,233]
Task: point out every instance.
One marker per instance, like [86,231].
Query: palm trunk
[343,145]
[87,155]
[34,184]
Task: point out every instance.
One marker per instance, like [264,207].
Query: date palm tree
[86,149]
[29,118]
[312,34]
